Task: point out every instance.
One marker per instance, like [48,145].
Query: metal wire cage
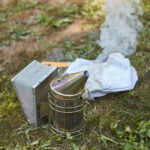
[66,113]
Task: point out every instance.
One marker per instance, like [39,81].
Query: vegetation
[120,122]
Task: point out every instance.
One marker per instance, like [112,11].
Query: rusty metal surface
[32,87]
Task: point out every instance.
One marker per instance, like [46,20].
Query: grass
[56,17]
[75,50]
[122,120]
[51,18]
[18,32]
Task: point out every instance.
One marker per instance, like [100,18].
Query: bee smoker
[66,104]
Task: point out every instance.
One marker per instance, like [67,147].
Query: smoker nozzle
[70,83]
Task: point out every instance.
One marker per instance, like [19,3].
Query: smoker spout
[71,83]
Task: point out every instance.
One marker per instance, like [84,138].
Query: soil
[74,31]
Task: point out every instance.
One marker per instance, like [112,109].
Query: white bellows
[114,75]
[121,27]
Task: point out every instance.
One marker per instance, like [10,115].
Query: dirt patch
[25,17]
[7,52]
[104,105]
[74,30]
[49,34]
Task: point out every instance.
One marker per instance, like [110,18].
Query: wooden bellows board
[57,64]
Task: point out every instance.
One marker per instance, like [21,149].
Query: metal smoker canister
[66,104]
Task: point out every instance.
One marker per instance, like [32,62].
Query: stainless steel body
[32,87]
[66,110]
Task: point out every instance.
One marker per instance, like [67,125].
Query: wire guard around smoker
[67,114]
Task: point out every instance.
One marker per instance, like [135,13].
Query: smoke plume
[120,30]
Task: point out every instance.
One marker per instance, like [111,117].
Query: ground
[49,30]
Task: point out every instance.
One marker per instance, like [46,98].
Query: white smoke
[120,30]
